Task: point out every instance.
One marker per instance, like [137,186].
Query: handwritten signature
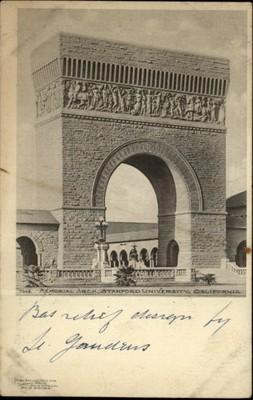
[77,341]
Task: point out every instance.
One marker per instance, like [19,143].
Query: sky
[214,33]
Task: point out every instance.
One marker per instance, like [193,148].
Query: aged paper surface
[160,307]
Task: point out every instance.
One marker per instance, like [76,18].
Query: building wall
[87,143]
[208,240]
[49,164]
[45,238]
[236,230]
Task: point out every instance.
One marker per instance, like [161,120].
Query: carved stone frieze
[49,99]
[118,99]
[112,98]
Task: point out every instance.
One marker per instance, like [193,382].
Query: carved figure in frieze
[143,104]
[53,96]
[76,90]
[165,107]
[212,110]
[204,109]
[189,107]
[157,103]
[121,97]
[149,103]
[58,95]
[110,102]
[138,100]
[83,97]
[95,99]
[198,106]
[70,93]
[222,112]
[47,99]
[197,113]
[115,106]
[178,113]
[129,100]
[105,97]
[40,105]
[183,104]
[171,104]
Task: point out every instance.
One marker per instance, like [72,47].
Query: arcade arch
[240,257]
[26,252]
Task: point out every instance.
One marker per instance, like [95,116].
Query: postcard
[126,199]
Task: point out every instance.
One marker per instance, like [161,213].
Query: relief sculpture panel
[49,98]
[83,95]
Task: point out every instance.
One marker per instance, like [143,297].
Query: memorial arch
[101,104]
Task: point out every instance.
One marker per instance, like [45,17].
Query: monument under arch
[100,104]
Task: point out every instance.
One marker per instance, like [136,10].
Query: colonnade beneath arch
[146,256]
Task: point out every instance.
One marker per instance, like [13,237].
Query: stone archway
[27,253]
[153,257]
[181,171]
[144,257]
[123,259]
[114,262]
[240,257]
[175,184]
[172,254]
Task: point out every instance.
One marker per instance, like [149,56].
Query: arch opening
[114,262]
[123,258]
[176,189]
[154,257]
[172,254]
[26,252]
[144,257]
[240,257]
[130,197]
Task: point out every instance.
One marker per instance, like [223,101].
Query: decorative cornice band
[144,123]
[109,119]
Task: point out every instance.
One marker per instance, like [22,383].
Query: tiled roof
[36,217]
[238,200]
